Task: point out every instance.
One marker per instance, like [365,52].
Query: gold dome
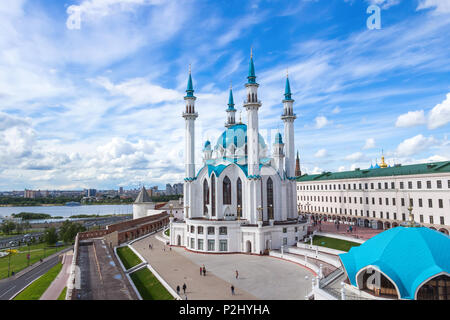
[383,164]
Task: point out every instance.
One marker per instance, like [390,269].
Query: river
[66,211]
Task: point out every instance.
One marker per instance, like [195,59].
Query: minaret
[278,154]
[252,105]
[189,115]
[298,171]
[288,118]
[231,111]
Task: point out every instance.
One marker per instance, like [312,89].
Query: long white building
[380,197]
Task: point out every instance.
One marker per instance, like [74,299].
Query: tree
[19,228]
[50,236]
[26,226]
[8,227]
[69,231]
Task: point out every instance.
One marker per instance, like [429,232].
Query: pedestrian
[237,274]
[184,288]
[232,290]
[178,290]
[204,271]
[201,270]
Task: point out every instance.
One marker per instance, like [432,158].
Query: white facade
[241,200]
[381,202]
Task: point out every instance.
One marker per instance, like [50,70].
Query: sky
[97,102]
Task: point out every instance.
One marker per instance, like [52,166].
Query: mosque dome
[237,136]
[407,256]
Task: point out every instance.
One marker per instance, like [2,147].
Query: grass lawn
[19,260]
[35,290]
[62,296]
[167,232]
[148,286]
[128,257]
[334,243]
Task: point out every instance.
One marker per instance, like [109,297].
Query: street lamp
[271,212]
[239,212]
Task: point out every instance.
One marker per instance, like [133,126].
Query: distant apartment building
[380,197]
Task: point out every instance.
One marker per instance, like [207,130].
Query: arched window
[205,197]
[437,288]
[226,191]
[239,194]
[270,198]
[213,195]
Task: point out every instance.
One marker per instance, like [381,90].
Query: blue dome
[236,135]
[408,256]
[207,145]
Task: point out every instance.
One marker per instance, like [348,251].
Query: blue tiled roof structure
[408,256]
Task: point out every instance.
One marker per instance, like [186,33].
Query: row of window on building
[381,214]
[380,200]
[316,187]
[211,244]
[210,230]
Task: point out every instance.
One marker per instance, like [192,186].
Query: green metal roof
[398,170]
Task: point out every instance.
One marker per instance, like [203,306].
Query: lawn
[334,243]
[128,257]
[167,232]
[19,260]
[35,290]
[62,296]
[148,286]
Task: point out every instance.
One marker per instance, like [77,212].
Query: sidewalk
[60,282]
[176,269]
[360,233]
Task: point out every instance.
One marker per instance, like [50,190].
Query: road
[10,287]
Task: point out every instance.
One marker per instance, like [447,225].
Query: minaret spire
[251,69]
[298,171]
[231,111]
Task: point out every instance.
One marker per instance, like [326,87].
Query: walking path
[360,233]
[60,282]
[260,277]
[176,270]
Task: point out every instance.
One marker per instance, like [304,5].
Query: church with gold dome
[242,199]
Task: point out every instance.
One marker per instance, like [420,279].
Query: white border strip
[164,283]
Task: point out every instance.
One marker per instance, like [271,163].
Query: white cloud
[414,145]
[336,110]
[321,122]
[317,170]
[440,114]
[341,169]
[321,153]
[440,6]
[370,144]
[355,156]
[385,4]
[410,119]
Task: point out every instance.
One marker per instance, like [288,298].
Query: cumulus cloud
[355,156]
[410,119]
[440,114]
[321,122]
[384,4]
[414,145]
[439,6]
[321,153]
[370,144]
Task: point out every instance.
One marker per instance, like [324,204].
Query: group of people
[203,271]
[184,289]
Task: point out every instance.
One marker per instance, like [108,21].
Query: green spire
[251,70]
[190,87]
[231,100]
[287,90]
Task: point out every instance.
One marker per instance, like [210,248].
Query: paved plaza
[357,232]
[260,277]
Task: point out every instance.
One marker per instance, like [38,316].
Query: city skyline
[101,105]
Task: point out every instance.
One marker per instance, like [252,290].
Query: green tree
[69,231]
[26,226]
[8,227]
[50,236]
[19,228]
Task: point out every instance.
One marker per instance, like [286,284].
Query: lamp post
[9,259]
[239,212]
[270,212]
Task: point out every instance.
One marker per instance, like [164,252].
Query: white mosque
[242,199]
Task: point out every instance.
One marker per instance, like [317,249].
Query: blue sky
[101,106]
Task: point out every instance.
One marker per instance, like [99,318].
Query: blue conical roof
[251,71]
[279,139]
[287,91]
[190,87]
[231,100]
